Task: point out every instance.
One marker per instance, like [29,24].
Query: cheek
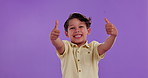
[70,33]
[85,32]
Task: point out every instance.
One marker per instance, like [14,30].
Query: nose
[77,30]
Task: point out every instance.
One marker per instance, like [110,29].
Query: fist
[110,28]
[55,32]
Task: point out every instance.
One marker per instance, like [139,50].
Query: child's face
[77,31]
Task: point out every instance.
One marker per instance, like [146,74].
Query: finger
[56,24]
[110,27]
[56,31]
[55,34]
[106,20]
[110,30]
[53,38]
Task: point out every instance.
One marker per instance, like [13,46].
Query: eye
[72,28]
[81,26]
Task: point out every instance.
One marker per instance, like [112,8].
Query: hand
[55,32]
[110,28]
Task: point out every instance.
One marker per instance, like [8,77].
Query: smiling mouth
[77,36]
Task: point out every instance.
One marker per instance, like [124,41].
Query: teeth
[78,36]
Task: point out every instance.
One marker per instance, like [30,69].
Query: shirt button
[79,70]
[78,51]
[88,52]
[78,60]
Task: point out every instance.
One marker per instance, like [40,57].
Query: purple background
[26,51]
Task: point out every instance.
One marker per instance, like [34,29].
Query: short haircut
[80,17]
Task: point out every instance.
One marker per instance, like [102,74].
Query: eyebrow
[71,25]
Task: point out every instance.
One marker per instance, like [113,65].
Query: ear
[89,29]
[66,33]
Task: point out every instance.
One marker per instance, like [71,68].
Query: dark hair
[80,17]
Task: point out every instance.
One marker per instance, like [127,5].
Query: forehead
[75,21]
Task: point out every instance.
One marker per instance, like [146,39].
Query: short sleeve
[95,45]
[66,43]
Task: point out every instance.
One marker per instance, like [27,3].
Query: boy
[78,58]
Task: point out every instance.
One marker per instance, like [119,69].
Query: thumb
[106,20]
[56,24]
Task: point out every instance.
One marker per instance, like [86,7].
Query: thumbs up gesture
[110,28]
[55,32]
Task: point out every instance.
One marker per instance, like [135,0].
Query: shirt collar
[85,45]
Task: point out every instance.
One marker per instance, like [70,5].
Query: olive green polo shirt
[80,62]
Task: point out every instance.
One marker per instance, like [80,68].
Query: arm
[113,32]
[56,41]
